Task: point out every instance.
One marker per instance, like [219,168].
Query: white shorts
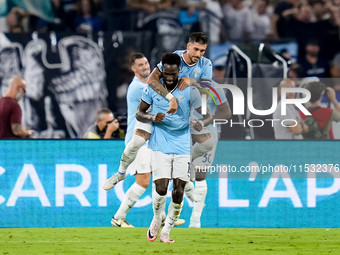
[146,126]
[207,159]
[142,162]
[170,166]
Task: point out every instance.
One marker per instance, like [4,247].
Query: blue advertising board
[58,183]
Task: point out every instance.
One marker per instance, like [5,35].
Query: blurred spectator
[300,25]
[312,63]
[17,20]
[190,13]
[296,72]
[10,111]
[260,21]
[37,16]
[210,20]
[62,18]
[335,67]
[319,10]
[37,24]
[116,15]
[334,71]
[294,129]
[286,55]
[98,5]
[87,19]
[238,20]
[149,6]
[297,19]
[324,116]
[105,127]
[334,9]
[219,72]
[278,22]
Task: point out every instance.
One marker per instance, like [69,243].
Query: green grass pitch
[187,241]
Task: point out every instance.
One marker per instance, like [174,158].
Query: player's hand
[185,82]
[197,125]
[158,117]
[172,106]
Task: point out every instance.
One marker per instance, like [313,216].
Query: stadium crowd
[313,24]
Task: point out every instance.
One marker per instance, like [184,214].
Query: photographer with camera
[320,123]
[105,127]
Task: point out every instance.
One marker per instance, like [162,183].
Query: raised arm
[154,82]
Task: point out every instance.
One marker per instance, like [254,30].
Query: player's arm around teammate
[156,85]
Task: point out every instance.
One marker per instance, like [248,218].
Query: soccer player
[220,110]
[136,133]
[170,142]
[194,68]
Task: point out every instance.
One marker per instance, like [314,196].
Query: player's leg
[189,190]
[180,178]
[138,140]
[201,189]
[131,197]
[141,168]
[141,134]
[200,194]
[204,143]
[161,174]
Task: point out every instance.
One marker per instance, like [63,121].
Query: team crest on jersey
[179,98]
[196,74]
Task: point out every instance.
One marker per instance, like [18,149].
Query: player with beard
[170,143]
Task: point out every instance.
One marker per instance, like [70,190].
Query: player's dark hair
[316,89]
[171,59]
[102,111]
[198,37]
[135,56]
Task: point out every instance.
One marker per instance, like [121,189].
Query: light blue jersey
[172,135]
[133,97]
[201,70]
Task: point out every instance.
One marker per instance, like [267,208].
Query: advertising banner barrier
[251,184]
